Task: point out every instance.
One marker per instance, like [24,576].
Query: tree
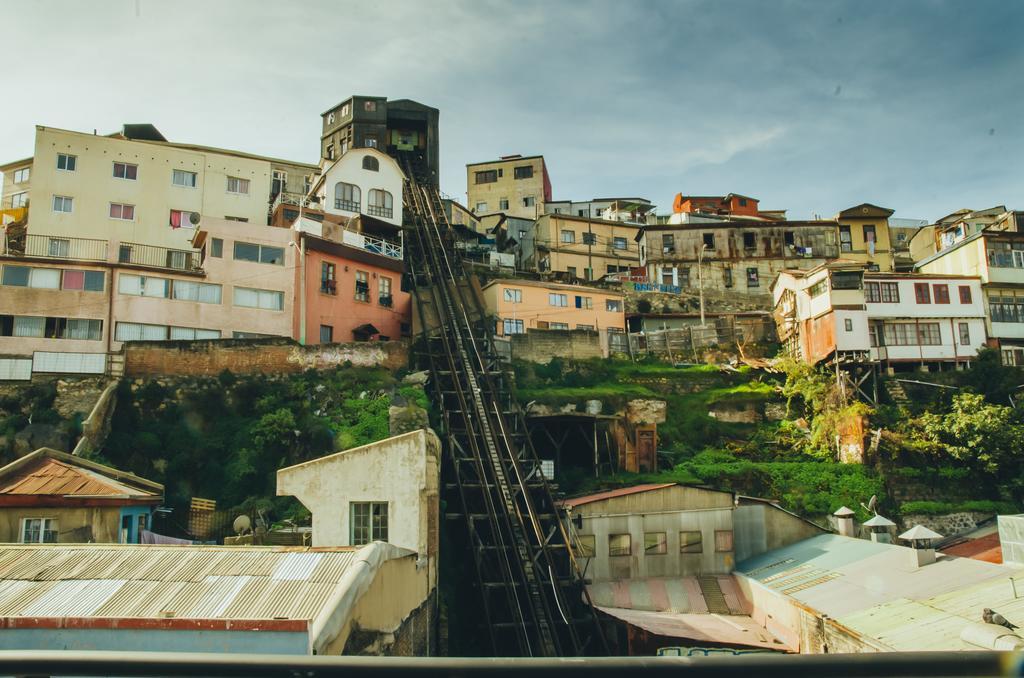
[979,433]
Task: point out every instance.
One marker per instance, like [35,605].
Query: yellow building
[864,236]
[521,305]
[15,195]
[515,185]
[583,248]
[137,187]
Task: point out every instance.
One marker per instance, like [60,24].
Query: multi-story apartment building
[735,256]
[515,185]
[522,305]
[398,126]
[864,236]
[635,210]
[901,320]
[137,187]
[997,258]
[14,197]
[585,249]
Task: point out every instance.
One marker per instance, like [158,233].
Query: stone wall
[96,426]
[540,346]
[948,525]
[250,356]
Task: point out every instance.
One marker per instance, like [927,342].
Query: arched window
[346,196]
[371,163]
[378,203]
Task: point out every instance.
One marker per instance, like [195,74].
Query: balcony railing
[371,244]
[347,205]
[289,198]
[59,247]
[375,211]
[385,300]
[159,257]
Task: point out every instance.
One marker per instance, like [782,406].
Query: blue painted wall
[151,640]
[136,513]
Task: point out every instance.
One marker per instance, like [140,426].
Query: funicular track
[532,599]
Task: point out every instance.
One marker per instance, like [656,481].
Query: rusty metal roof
[611,494]
[127,581]
[53,473]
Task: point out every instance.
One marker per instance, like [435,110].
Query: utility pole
[700,280]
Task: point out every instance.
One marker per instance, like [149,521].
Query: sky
[812,106]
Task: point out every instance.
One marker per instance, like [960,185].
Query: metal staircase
[532,598]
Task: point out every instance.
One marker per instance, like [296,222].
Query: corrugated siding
[69,363]
[180,582]
[15,369]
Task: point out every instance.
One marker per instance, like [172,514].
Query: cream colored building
[521,305]
[515,185]
[137,187]
[587,249]
[864,236]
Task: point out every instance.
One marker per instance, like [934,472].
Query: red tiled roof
[610,494]
[985,548]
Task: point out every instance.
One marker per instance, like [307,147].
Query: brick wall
[250,356]
[540,346]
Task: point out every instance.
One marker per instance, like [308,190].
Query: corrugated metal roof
[610,494]
[46,476]
[731,630]
[180,582]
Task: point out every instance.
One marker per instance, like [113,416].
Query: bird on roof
[992,617]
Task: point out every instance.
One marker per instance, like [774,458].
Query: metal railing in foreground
[66,663]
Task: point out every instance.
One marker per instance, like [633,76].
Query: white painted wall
[349,169]
[856,338]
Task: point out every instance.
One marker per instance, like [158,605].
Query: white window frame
[122,205]
[25,173]
[240,183]
[513,295]
[45,522]
[558,299]
[65,201]
[19,199]
[68,160]
[261,298]
[125,165]
[186,174]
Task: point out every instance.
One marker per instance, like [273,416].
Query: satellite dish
[241,524]
[193,218]
[872,505]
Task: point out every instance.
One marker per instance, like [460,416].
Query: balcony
[377,211]
[159,257]
[58,247]
[347,205]
[371,244]
[289,198]
[385,300]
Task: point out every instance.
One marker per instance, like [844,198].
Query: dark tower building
[396,127]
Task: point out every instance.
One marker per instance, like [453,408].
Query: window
[384,292]
[371,163]
[16,276]
[329,152]
[752,279]
[269,300]
[869,238]
[589,328]
[486,177]
[62,203]
[555,299]
[749,241]
[965,294]
[326,334]
[378,203]
[743,202]
[512,327]
[185,178]
[929,334]
[362,286]
[140,332]
[818,288]
[848,324]
[571,270]
[613,305]
[278,182]
[847,280]
[723,541]
[89,281]
[187,290]
[965,334]
[22,175]
[558,326]
[872,334]
[845,240]
[584,302]
[890,293]
[921,293]
[910,334]
[690,541]
[585,546]
[513,296]
[788,239]
[668,243]
[328,278]
[941,293]
[1006,309]
[503,203]
[243,220]
[620,545]
[217,248]
[123,170]
[142,286]
[25,326]
[598,212]
[524,172]
[619,243]
[872,294]
[589,238]
[19,199]
[581,213]
[347,196]
[655,543]
[370,142]
[568,236]
[709,240]
[529,201]
[480,207]
[238,185]
[66,162]
[369,522]
[39,530]
[370,106]
[124,212]
[263,254]
[727,277]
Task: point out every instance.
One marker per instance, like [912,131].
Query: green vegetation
[935,508]
[225,438]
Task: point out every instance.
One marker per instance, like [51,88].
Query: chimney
[879,527]
[844,522]
[922,548]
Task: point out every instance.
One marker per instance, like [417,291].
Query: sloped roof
[48,472]
[611,494]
